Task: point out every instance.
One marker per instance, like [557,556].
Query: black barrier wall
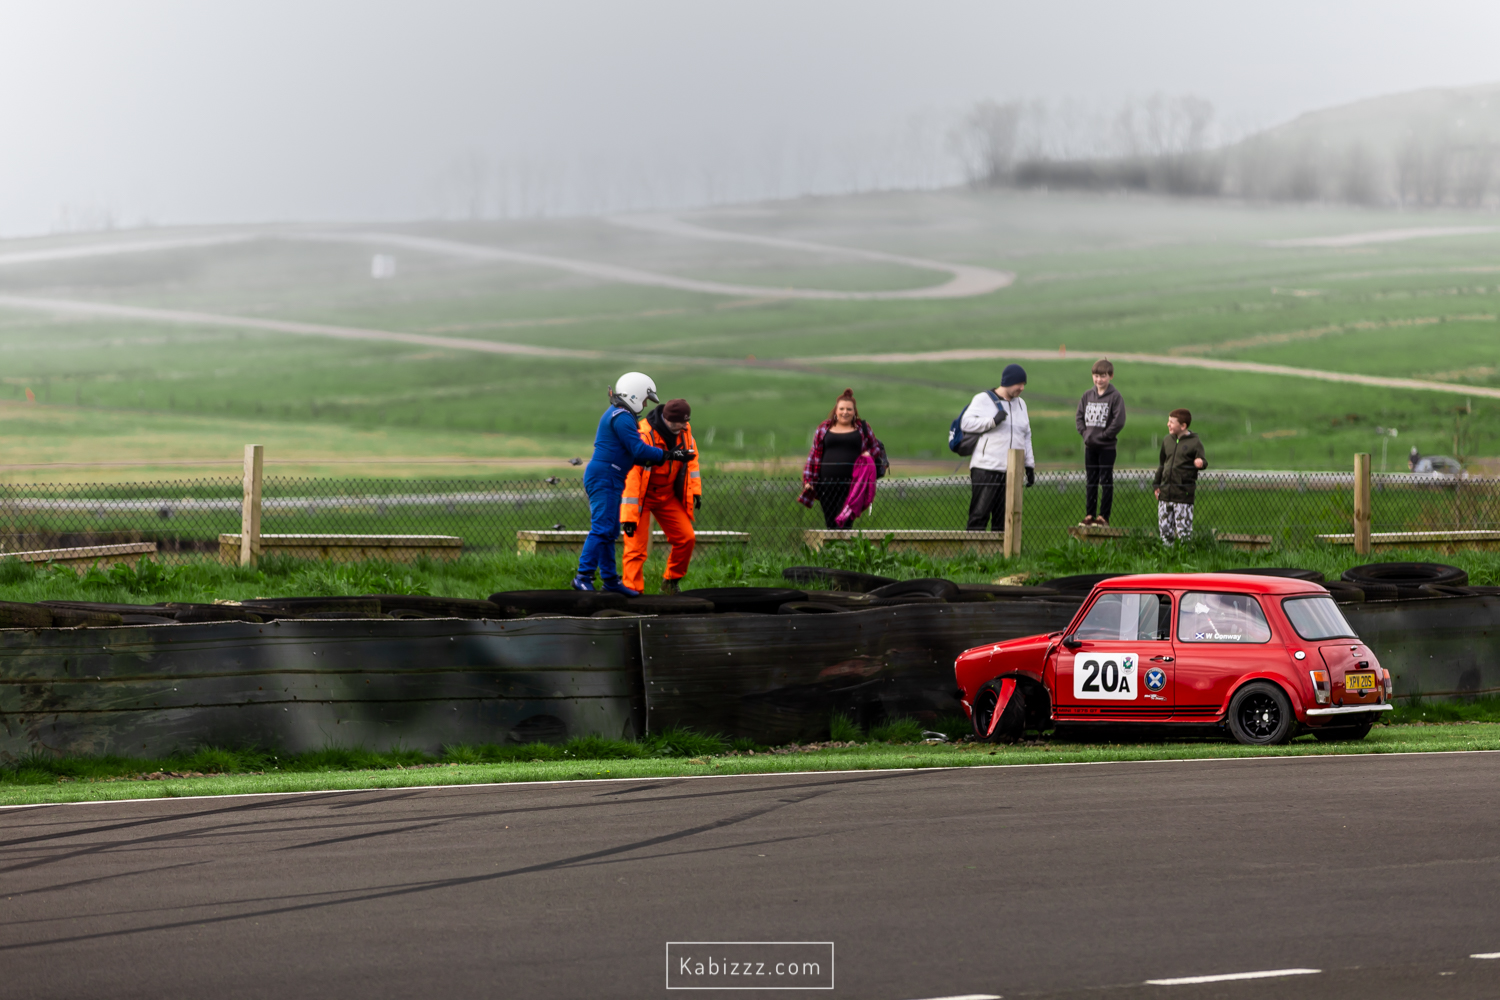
[304,685]
[777,678]
[1443,647]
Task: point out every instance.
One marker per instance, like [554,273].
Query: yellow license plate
[1359,682]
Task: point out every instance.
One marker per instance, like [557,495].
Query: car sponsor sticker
[1156,679]
[1109,676]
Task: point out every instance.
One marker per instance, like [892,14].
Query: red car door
[1120,666]
[1220,638]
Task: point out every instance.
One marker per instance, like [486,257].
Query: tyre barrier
[1408,578]
[303,683]
[778,678]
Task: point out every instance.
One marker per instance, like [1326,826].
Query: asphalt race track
[1382,872]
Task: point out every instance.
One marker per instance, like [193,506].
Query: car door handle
[1161,659]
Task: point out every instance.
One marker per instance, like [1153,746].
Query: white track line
[110,249]
[967,281]
[1170,360]
[1487,954]
[1382,236]
[1229,977]
[948,770]
[105,310]
[969,996]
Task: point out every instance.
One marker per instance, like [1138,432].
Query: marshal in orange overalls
[667,493]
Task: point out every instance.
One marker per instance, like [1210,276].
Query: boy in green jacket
[1176,479]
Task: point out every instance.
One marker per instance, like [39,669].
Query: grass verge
[36,782]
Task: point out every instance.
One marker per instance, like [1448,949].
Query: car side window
[1205,617]
[1128,617]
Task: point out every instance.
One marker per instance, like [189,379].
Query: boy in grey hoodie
[1101,417]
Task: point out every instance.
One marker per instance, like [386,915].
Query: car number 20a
[1106,675]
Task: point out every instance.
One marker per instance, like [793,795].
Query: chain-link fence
[186,517]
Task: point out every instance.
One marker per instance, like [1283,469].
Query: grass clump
[679,741]
[842,729]
[898,730]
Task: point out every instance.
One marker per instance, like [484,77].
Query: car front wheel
[1012,724]
[1260,714]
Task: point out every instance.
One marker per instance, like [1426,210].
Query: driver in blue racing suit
[617,447]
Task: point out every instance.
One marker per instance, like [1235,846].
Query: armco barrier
[304,685]
[777,678]
[1440,647]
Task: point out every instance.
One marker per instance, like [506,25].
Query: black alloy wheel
[1012,725]
[1260,715]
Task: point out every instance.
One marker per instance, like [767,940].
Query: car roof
[1234,583]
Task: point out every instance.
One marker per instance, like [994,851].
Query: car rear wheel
[1260,714]
[1012,724]
[1338,734]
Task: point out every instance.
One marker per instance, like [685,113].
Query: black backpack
[960,441]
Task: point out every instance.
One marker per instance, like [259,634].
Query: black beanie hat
[1013,375]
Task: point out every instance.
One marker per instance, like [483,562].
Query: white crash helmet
[634,390]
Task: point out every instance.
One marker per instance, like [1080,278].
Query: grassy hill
[1096,273]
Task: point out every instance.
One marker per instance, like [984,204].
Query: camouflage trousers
[1174,521]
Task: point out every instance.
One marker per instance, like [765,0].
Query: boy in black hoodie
[1101,417]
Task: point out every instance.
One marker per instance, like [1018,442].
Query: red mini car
[1265,657]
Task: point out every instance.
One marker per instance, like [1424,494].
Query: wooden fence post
[250,511]
[1362,503]
[1015,482]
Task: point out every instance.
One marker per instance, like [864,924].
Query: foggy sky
[187,112]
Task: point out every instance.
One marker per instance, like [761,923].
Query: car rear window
[1221,618]
[1317,618]
[1128,617]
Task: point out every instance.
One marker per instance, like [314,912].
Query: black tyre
[1000,592]
[438,607]
[933,587]
[757,600]
[1285,572]
[1341,734]
[581,603]
[1082,583]
[836,579]
[14,614]
[1260,714]
[809,608]
[1012,724]
[668,604]
[296,607]
[904,599]
[1407,574]
[1344,593]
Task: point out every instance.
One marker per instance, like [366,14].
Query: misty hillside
[1420,148]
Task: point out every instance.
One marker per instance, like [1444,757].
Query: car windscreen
[1204,617]
[1317,618]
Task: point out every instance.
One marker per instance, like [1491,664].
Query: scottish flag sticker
[1156,679]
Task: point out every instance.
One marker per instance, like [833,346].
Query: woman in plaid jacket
[838,444]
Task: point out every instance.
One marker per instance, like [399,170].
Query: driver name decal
[1110,676]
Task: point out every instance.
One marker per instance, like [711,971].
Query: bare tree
[986,141]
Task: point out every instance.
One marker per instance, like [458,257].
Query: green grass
[1099,274]
[479,575]
[37,781]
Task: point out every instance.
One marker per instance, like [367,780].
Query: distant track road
[1170,360]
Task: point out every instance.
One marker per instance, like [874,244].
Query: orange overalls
[667,492]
